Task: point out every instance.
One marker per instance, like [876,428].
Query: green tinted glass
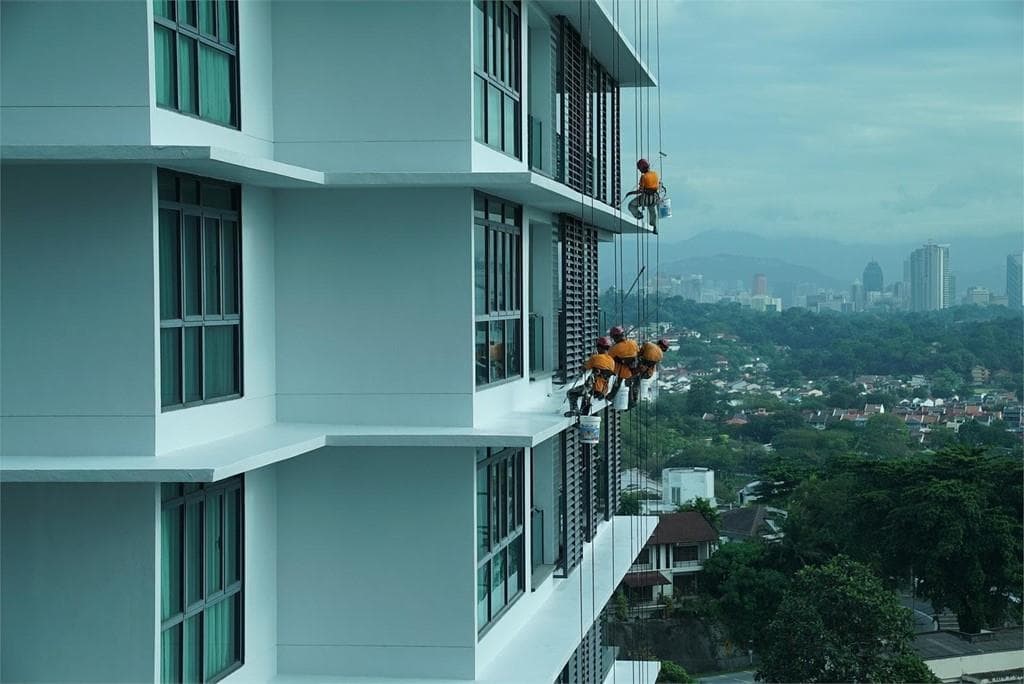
[163,45]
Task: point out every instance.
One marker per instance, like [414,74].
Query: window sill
[196,404]
[497,383]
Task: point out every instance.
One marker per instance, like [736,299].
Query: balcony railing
[686,564]
[641,567]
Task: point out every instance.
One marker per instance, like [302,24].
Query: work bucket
[665,208]
[646,389]
[590,429]
[621,402]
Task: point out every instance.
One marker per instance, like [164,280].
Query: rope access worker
[625,352]
[646,193]
[651,354]
[601,367]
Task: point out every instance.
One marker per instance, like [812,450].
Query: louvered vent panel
[613,448]
[571,477]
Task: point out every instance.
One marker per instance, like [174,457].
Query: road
[745,677]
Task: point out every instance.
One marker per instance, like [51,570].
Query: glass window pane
[482,528]
[509,126]
[498,582]
[493,116]
[225,26]
[513,272]
[497,350]
[187,12]
[170,366]
[218,196]
[513,348]
[167,186]
[480,269]
[170,655]
[494,497]
[221,361]
[163,45]
[479,125]
[193,359]
[479,206]
[492,289]
[189,190]
[230,266]
[501,244]
[483,576]
[501,470]
[479,17]
[192,671]
[510,496]
[169,490]
[192,266]
[214,544]
[163,8]
[482,354]
[170,562]
[170,268]
[232,535]
[515,555]
[211,285]
[490,48]
[187,75]
[221,636]
[216,85]
[207,13]
[193,552]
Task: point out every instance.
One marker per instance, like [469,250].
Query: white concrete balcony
[687,566]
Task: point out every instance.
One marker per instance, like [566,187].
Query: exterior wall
[358,104]
[64,82]
[376,572]
[257,406]
[692,483]
[79,582]
[260,590]
[951,669]
[78,322]
[374,301]
[256,65]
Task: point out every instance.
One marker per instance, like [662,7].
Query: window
[499,518]
[196,48]
[684,554]
[677,495]
[201,578]
[497,249]
[200,291]
[497,81]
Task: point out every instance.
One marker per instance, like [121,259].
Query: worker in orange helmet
[601,367]
[646,193]
[625,352]
[651,354]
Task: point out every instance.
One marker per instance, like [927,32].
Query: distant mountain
[977,260]
[731,268]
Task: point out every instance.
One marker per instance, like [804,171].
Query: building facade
[298,316]
[931,286]
[872,278]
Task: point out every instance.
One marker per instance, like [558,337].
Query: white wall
[376,569]
[255,54]
[692,483]
[374,302]
[355,103]
[77,310]
[64,81]
[260,589]
[78,582]
[257,407]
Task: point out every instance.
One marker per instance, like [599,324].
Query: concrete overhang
[604,39]
[271,444]
[525,187]
[215,162]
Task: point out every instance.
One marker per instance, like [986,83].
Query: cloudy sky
[862,121]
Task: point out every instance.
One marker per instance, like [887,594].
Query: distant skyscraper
[930,280]
[760,284]
[873,277]
[1014,280]
[857,295]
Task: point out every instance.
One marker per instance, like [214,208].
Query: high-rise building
[760,284]
[289,295]
[857,295]
[872,279]
[930,284]
[1014,280]
[977,295]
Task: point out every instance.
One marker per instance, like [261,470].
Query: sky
[866,121]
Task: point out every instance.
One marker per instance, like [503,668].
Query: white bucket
[590,429]
[646,389]
[665,208]
[621,402]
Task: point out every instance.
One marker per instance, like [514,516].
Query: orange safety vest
[649,181]
[624,353]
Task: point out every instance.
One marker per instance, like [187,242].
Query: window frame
[203,212]
[187,494]
[179,27]
[500,68]
[499,460]
[503,284]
